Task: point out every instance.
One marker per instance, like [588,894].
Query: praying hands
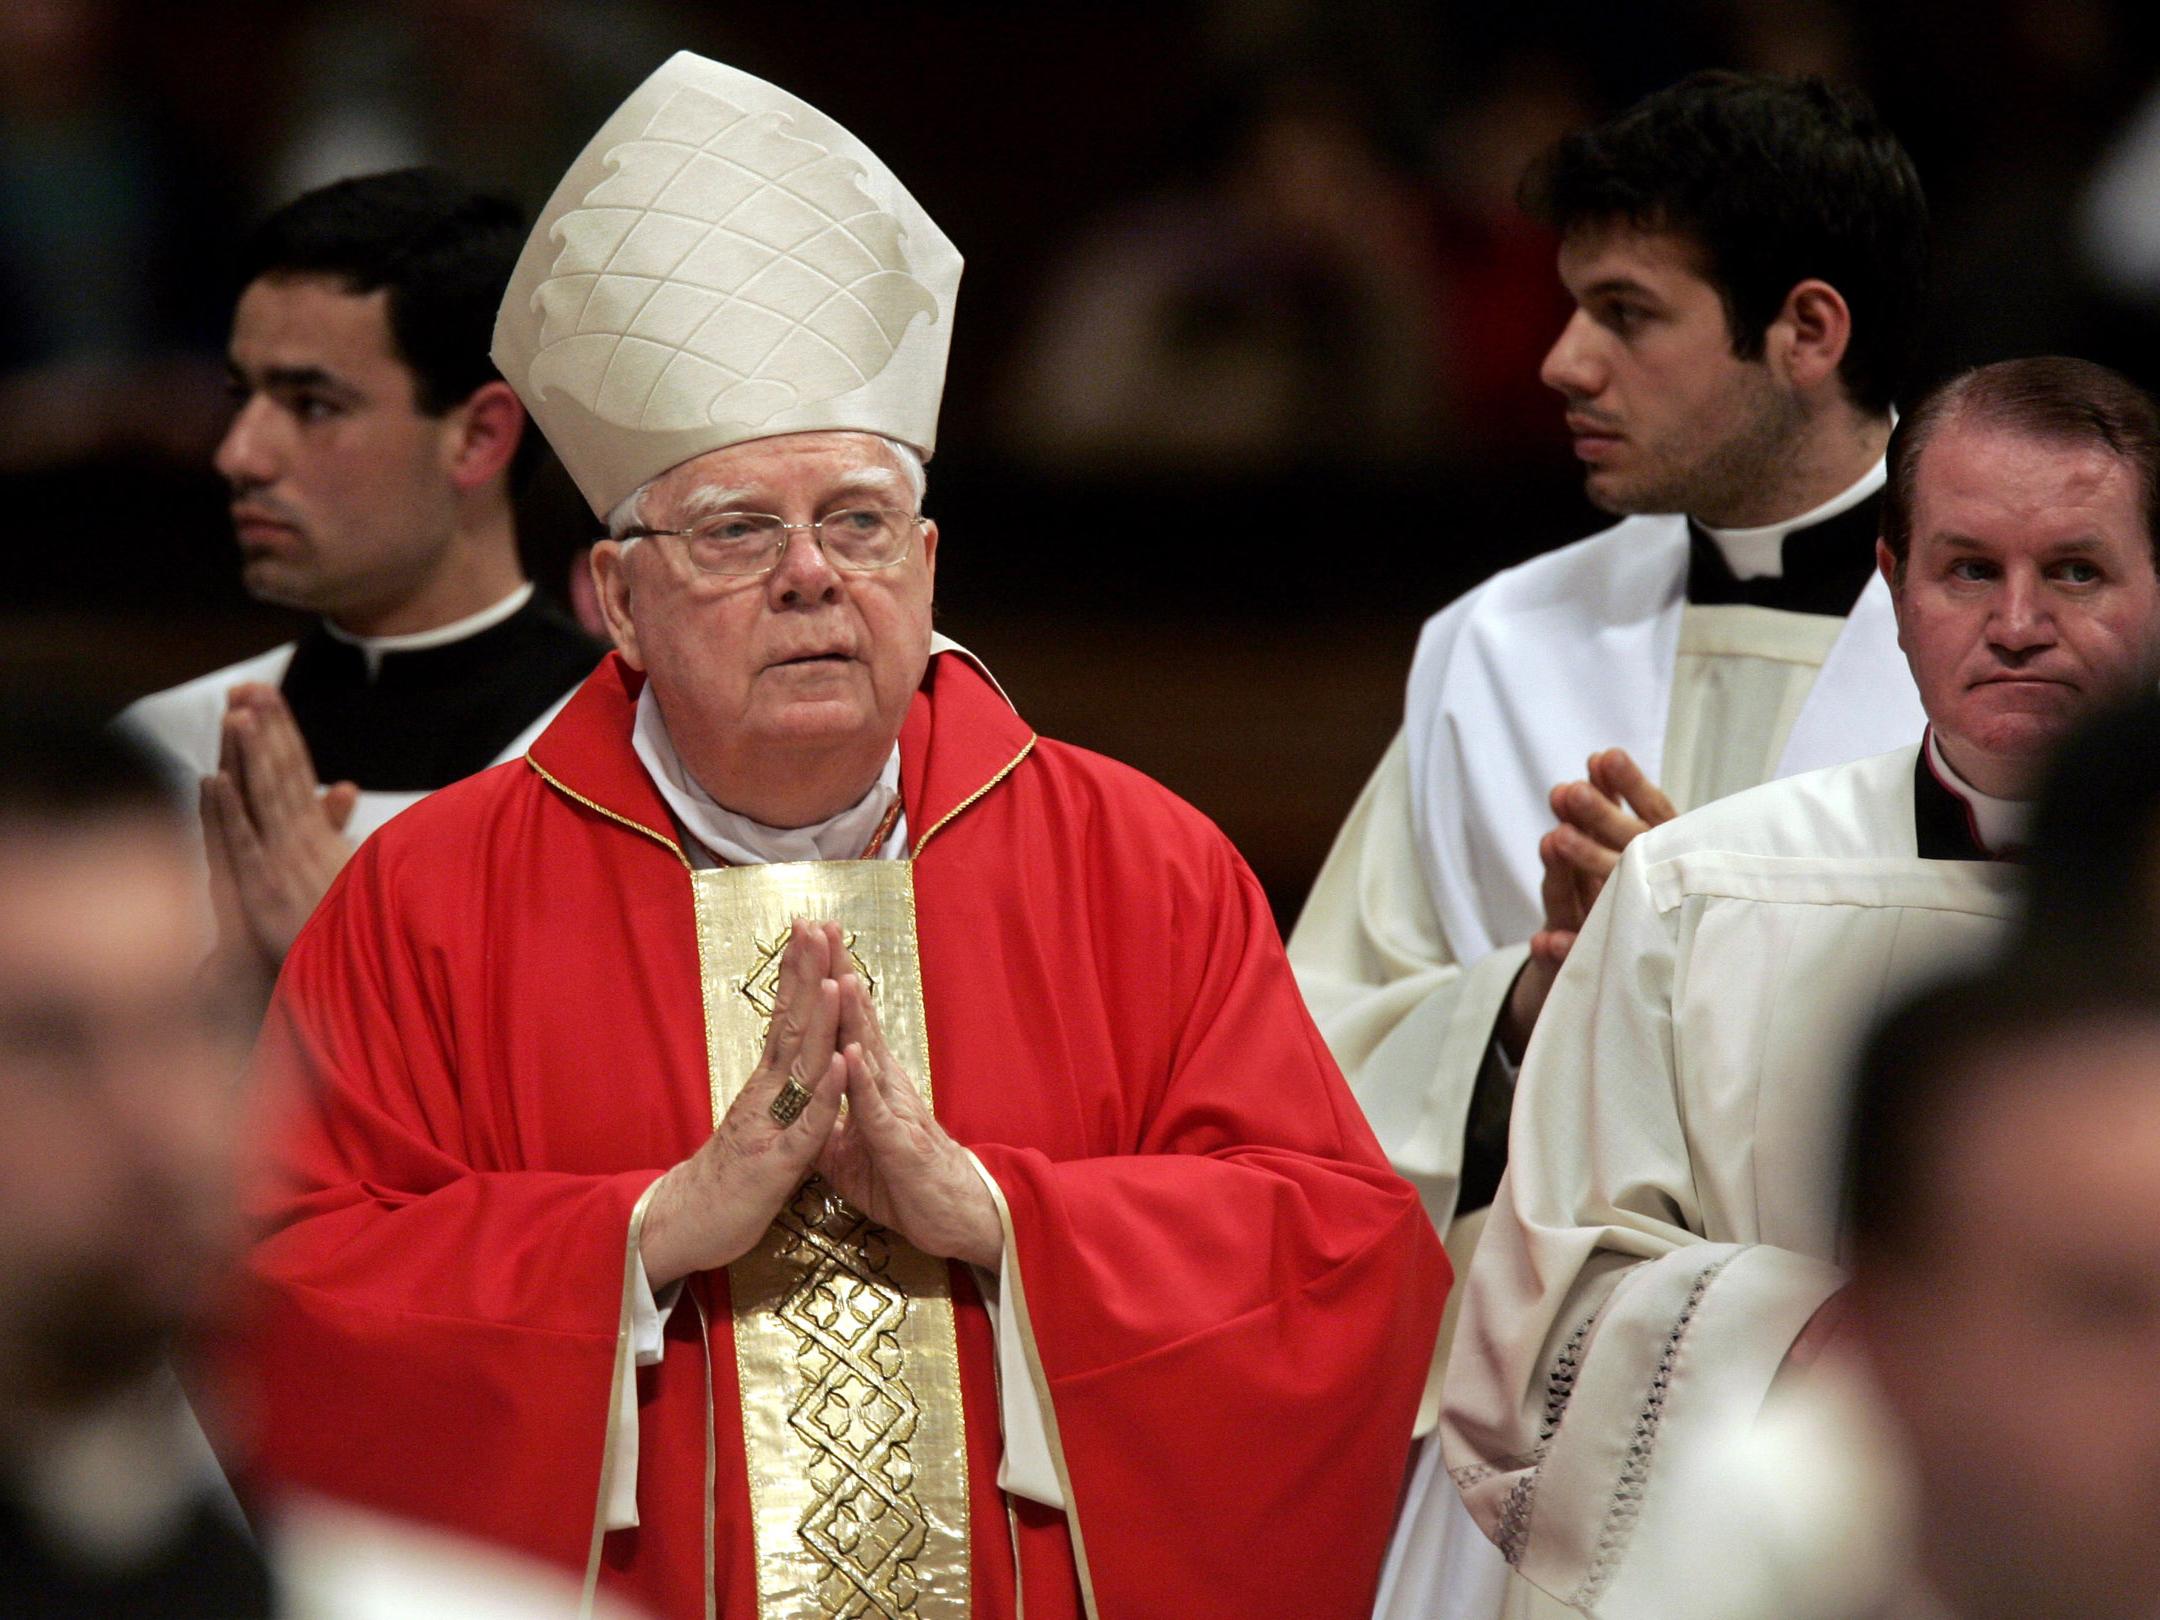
[888,1156]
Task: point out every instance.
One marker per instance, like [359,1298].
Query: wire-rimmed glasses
[856,537]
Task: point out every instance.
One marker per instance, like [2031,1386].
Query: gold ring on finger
[793,1098]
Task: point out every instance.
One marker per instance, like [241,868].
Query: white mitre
[723,262]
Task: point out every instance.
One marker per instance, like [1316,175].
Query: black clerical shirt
[1943,824]
[1826,566]
[425,718]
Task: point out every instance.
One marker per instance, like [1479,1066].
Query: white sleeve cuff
[1027,1467]
[645,1319]
[649,1315]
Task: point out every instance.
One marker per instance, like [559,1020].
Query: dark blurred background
[1244,380]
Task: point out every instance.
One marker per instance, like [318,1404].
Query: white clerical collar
[739,841]
[1760,553]
[1999,824]
[373,647]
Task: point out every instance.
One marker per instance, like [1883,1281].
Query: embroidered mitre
[723,262]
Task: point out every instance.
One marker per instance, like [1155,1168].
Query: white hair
[629,512]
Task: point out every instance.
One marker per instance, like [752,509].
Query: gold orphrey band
[844,1336]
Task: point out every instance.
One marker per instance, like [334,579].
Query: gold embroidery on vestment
[572,794]
[844,1335]
[761,985]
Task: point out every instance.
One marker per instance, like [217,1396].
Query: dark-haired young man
[1666,1236]
[371,459]
[1747,258]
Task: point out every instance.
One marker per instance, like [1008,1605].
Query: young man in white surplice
[1747,257]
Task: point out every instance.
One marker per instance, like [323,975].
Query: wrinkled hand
[274,836]
[1598,818]
[711,1209]
[890,1157]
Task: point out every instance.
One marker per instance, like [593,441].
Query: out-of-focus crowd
[1221,257]
[1226,262]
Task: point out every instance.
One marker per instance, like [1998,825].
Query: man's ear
[611,584]
[1810,334]
[585,595]
[483,434]
[1893,573]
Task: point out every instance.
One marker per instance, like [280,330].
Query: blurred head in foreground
[119,1064]
[2003,1175]
[2095,850]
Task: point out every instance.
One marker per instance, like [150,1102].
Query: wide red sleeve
[1232,1320]
[430,1327]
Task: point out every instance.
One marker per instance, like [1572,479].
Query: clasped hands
[887,1155]
[1598,819]
[275,837]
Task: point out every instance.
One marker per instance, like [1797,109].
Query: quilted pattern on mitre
[724,272]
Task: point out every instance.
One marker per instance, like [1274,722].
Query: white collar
[739,841]
[1760,553]
[373,647]
[1999,824]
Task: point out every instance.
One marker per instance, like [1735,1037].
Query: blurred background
[1244,383]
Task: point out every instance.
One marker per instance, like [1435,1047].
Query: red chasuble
[495,1022]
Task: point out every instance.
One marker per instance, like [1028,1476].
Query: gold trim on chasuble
[844,1337]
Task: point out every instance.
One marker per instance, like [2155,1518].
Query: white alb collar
[373,647]
[2000,824]
[739,841]
[1760,553]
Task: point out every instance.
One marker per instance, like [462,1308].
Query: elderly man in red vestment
[799,1144]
